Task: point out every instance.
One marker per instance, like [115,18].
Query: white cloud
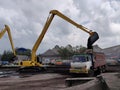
[115,27]
[26,19]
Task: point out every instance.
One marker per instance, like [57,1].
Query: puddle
[1,76]
[14,74]
[6,73]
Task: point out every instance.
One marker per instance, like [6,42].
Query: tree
[7,56]
[65,53]
[82,49]
[68,51]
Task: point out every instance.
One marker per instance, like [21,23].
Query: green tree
[7,56]
[82,49]
[66,52]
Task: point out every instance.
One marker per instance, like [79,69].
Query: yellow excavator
[7,29]
[34,62]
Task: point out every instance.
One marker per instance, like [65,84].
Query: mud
[12,80]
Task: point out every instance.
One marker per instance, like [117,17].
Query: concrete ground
[111,79]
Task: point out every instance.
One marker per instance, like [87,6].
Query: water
[13,74]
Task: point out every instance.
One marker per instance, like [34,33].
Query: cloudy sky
[26,19]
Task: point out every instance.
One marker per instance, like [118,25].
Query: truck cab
[81,63]
[91,64]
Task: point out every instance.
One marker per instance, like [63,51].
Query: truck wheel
[68,83]
[98,72]
[91,73]
[103,69]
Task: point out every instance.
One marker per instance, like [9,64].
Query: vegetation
[68,51]
[7,56]
[65,52]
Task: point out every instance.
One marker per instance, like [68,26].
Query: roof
[50,53]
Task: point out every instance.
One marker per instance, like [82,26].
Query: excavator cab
[94,37]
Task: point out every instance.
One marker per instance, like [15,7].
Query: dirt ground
[51,81]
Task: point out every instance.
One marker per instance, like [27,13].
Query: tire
[91,73]
[68,83]
[98,72]
[103,68]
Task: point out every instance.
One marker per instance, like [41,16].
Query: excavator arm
[93,35]
[7,29]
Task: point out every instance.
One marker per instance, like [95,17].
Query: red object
[99,59]
[58,63]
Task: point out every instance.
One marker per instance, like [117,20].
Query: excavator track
[30,69]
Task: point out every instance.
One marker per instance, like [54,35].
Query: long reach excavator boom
[7,29]
[34,62]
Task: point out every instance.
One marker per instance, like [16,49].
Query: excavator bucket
[92,40]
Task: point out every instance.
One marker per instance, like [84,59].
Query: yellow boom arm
[9,35]
[47,24]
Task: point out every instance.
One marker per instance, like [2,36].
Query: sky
[26,19]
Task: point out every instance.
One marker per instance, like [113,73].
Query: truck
[91,63]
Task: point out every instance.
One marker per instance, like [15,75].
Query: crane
[7,29]
[33,62]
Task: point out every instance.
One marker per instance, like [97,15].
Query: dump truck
[91,63]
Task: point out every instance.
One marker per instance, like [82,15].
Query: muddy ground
[11,80]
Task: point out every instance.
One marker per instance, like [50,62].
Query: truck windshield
[79,59]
